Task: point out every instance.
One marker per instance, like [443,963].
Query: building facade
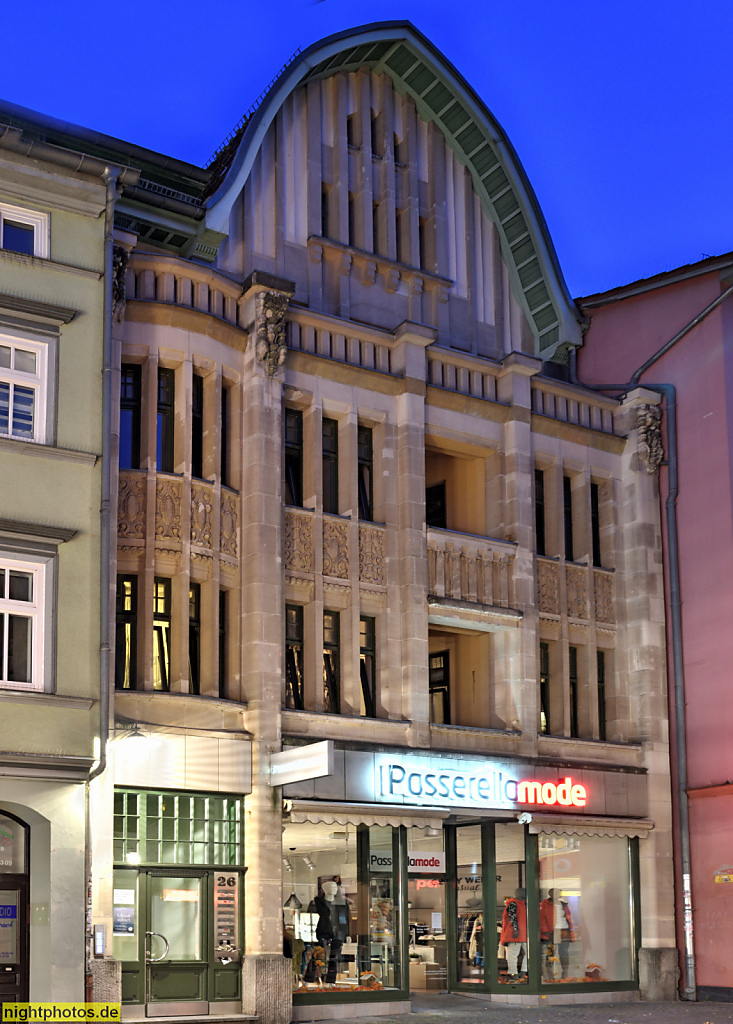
[356,504]
[629,328]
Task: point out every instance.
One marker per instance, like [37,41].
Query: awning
[632,828]
[316,811]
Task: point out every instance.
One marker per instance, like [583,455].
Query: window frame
[441,686]
[194,637]
[601,672]
[37,219]
[126,618]
[294,698]
[540,522]
[436,500]
[368,667]
[293,487]
[332,665]
[37,382]
[330,467]
[545,692]
[573,685]
[222,640]
[365,472]
[37,610]
[567,514]
[165,422]
[133,405]
[595,525]
[197,426]
[162,621]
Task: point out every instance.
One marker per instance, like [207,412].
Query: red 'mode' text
[564,793]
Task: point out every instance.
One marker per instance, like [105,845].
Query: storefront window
[469,905]
[426,894]
[586,909]
[341,908]
[511,905]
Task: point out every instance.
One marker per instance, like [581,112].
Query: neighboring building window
[330,432]
[567,510]
[224,440]
[595,524]
[439,682]
[22,389]
[545,688]
[21,625]
[126,634]
[539,510]
[166,408]
[294,694]
[366,472]
[368,666]
[161,634]
[293,457]
[24,231]
[573,679]
[352,218]
[325,218]
[197,426]
[331,659]
[375,136]
[194,637]
[223,622]
[351,130]
[375,228]
[399,233]
[130,416]
[435,506]
[601,668]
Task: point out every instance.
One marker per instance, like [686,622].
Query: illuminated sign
[297,764]
[180,896]
[417,863]
[487,784]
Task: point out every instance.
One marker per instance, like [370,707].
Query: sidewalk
[457,1009]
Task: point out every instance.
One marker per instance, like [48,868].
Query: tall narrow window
[294,693]
[539,510]
[376,141]
[601,666]
[352,218]
[197,426]
[126,633]
[595,524]
[331,659]
[223,623]
[567,511]
[351,130]
[545,688]
[194,637]
[365,470]
[368,667]
[325,217]
[422,241]
[224,439]
[130,417]
[166,390]
[435,506]
[293,457]
[330,434]
[573,679]
[161,634]
[375,228]
[400,247]
[439,686]
[21,626]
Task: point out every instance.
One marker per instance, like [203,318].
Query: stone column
[266,974]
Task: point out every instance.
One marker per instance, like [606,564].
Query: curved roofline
[442,95]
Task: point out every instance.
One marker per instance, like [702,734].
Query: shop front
[461,874]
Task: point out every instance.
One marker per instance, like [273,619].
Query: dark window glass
[351,130]
[601,663]
[376,142]
[331,666]
[435,509]
[375,228]
[367,667]
[224,441]
[545,688]
[400,247]
[130,417]
[595,524]
[422,260]
[567,509]
[18,237]
[294,694]
[197,426]
[439,683]
[539,510]
[325,212]
[126,633]
[161,634]
[223,623]
[330,461]
[293,457]
[365,470]
[399,149]
[166,390]
[573,678]
[194,637]
[352,218]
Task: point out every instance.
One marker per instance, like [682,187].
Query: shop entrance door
[428,936]
[14,894]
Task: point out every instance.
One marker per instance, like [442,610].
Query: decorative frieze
[335,549]
[167,509]
[131,505]
[576,589]
[271,346]
[371,555]
[603,586]
[299,542]
[228,521]
[548,589]
[201,506]
[649,445]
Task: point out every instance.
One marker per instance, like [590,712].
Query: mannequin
[514,933]
[339,917]
[556,925]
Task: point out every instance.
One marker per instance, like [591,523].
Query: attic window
[158,235]
[24,231]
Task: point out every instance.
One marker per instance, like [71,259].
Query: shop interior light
[287,864]
[133,857]
[308,863]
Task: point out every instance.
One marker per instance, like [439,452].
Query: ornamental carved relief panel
[168,509]
[371,555]
[335,549]
[201,506]
[298,542]
[131,506]
[577,592]
[548,591]
[603,586]
[228,521]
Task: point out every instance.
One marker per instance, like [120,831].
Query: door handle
[156,959]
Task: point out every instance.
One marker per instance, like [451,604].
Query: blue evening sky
[621,112]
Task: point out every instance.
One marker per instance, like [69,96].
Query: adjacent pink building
[628,326]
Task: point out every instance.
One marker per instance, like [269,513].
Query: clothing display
[514,920]
[556,927]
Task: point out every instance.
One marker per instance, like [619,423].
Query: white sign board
[297,764]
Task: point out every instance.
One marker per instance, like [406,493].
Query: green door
[176,955]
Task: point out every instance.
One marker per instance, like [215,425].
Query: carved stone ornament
[120,258]
[603,585]
[131,506]
[271,344]
[649,425]
[548,598]
[371,555]
[577,592]
[168,509]
[335,550]
[201,504]
[298,542]
[228,520]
